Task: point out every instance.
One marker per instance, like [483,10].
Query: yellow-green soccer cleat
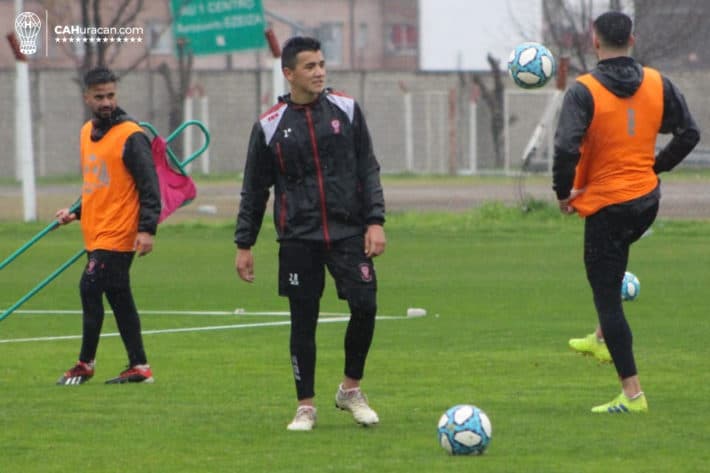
[623,405]
[590,345]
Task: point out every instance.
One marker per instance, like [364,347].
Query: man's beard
[104,114]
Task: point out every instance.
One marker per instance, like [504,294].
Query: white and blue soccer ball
[531,65]
[465,430]
[630,287]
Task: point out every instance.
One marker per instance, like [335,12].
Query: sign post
[219,26]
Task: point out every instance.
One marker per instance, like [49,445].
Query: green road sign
[219,26]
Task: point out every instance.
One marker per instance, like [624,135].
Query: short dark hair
[99,75]
[296,45]
[613,28]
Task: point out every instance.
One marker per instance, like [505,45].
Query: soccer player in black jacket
[314,148]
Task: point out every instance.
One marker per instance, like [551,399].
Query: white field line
[192,329]
[184,312]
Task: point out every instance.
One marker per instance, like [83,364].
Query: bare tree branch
[663,29]
[166,73]
[118,18]
[494,100]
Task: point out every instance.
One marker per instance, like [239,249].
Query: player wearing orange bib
[120,206]
[605,168]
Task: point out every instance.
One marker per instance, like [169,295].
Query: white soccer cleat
[354,400]
[305,419]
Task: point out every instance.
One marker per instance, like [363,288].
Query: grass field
[503,291]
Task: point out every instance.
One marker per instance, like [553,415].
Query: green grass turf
[503,291]
[684,172]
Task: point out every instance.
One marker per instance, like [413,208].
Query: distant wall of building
[440,140]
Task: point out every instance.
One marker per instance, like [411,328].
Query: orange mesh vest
[109,199]
[618,150]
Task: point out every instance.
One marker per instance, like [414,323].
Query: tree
[177,92]
[669,33]
[672,34]
[494,97]
[121,14]
[89,54]
[666,31]
[567,26]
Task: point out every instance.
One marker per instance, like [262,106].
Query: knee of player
[89,286]
[362,301]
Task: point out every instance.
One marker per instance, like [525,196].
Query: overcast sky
[458,34]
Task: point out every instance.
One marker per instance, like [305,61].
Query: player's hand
[144,243]
[63,216]
[244,264]
[566,204]
[375,241]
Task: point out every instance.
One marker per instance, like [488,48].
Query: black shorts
[609,233]
[302,267]
[108,269]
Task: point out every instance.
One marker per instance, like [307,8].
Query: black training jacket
[319,159]
[622,76]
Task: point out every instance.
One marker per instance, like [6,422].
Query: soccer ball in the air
[531,65]
[464,430]
[630,287]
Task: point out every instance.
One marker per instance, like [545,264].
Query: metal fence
[420,122]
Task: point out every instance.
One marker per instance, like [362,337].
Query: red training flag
[176,189]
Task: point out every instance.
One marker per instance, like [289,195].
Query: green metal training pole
[205,133]
[31,242]
[36,238]
[180,165]
[41,285]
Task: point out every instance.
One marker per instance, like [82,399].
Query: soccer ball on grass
[464,430]
[630,287]
[531,65]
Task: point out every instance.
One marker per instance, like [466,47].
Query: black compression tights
[107,273]
[304,320]
[358,338]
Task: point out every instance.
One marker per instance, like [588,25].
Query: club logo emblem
[27,26]
[365,272]
[336,126]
